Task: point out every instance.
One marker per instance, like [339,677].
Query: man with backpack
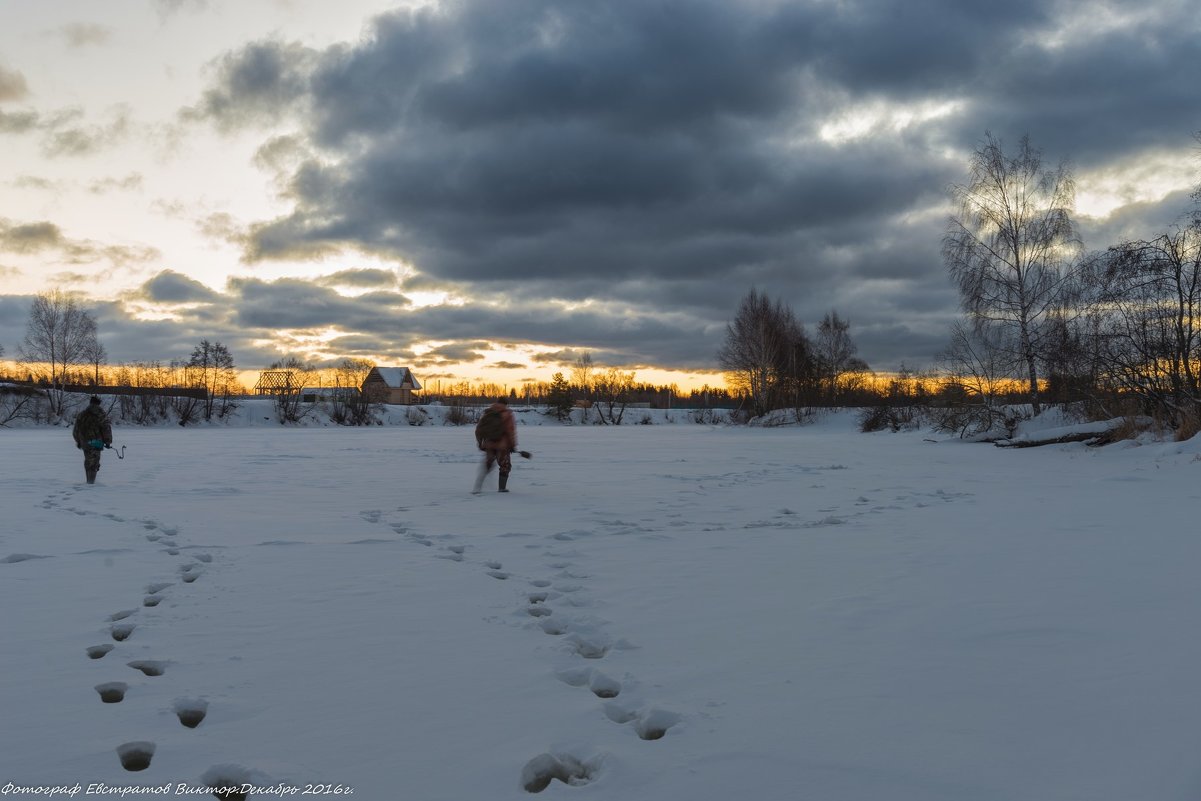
[93,433]
[496,436]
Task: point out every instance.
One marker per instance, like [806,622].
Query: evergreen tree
[559,397]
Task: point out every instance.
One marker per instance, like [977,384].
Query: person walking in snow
[93,433]
[496,436]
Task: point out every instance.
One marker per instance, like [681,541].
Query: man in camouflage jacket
[92,433]
[496,436]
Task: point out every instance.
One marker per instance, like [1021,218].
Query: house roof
[395,377]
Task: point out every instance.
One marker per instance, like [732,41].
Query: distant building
[390,385]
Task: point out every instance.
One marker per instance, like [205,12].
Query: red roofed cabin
[390,385]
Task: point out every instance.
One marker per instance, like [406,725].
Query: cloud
[363,277]
[18,122]
[34,182]
[509,366]
[169,8]
[169,286]
[81,34]
[455,353]
[66,137]
[613,177]
[44,236]
[12,85]
[560,358]
[131,182]
[255,85]
[29,237]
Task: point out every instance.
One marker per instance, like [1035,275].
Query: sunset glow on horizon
[485,192]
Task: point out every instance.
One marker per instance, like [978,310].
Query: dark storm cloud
[362,277]
[172,287]
[295,304]
[454,353]
[256,84]
[664,157]
[14,315]
[1092,98]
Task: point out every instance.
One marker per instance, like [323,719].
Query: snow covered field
[653,612]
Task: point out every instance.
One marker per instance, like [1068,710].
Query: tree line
[1115,331]
[1107,332]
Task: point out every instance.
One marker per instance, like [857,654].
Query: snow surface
[794,613]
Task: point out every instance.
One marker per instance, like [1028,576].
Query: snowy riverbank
[659,611]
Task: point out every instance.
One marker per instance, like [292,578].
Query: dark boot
[91,474]
[504,480]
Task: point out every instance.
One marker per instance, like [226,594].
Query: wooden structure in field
[390,385]
[277,382]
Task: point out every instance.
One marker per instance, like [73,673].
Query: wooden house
[390,385]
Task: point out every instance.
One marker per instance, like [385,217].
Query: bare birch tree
[766,354]
[213,364]
[1011,246]
[834,352]
[59,334]
[95,355]
[1149,311]
[613,388]
[350,405]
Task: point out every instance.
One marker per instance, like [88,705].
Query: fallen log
[1094,434]
[1090,438]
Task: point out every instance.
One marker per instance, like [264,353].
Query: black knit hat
[95,399]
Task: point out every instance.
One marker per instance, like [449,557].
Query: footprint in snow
[589,649]
[112,692]
[540,771]
[191,711]
[136,756]
[601,685]
[554,628]
[121,631]
[653,725]
[150,667]
[98,651]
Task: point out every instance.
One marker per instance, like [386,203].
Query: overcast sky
[492,187]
